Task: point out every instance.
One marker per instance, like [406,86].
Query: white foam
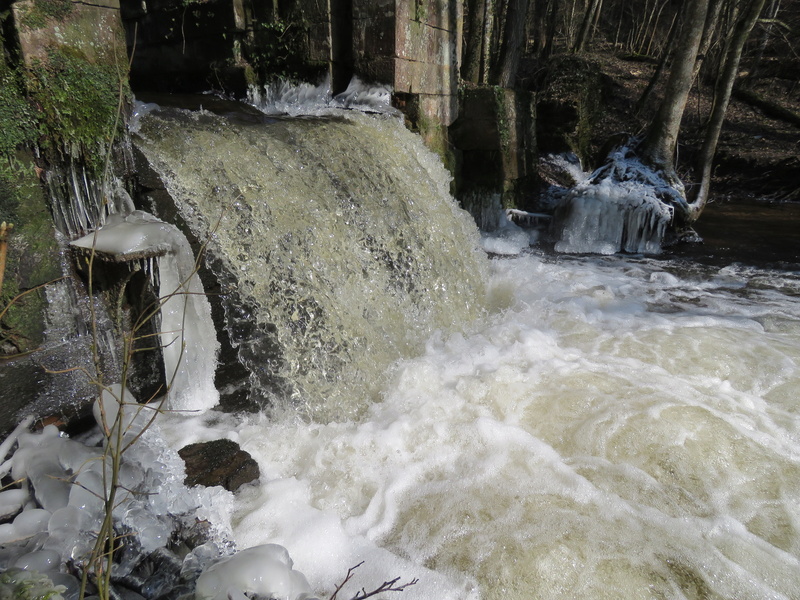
[616,427]
[507,239]
[306,99]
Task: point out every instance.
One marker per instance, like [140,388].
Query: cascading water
[608,427]
[615,428]
[340,230]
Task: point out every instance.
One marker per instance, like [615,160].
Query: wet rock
[220,462]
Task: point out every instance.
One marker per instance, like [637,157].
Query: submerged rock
[219,462]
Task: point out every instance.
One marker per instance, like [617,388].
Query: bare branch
[386,586]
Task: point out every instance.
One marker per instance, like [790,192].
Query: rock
[220,462]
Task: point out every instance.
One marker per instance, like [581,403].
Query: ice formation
[53,517]
[264,570]
[507,238]
[188,338]
[624,205]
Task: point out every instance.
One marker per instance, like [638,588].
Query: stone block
[94,29]
[440,108]
[495,133]
[319,42]
[375,37]
[421,42]
[441,14]
[378,70]
[423,78]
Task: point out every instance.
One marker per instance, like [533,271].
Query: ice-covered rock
[264,570]
[188,339]
[624,206]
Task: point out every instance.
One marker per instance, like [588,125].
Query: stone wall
[64,71]
[495,139]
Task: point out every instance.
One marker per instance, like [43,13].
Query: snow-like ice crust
[623,206]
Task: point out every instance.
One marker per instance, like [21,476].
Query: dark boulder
[220,462]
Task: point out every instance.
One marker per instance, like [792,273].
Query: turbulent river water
[611,427]
[532,426]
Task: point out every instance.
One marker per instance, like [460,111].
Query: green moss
[42,10]
[18,122]
[33,259]
[501,114]
[19,127]
[78,102]
[435,136]
[420,10]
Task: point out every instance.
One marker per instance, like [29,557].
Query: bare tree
[473,44]
[589,17]
[513,43]
[658,148]
[730,68]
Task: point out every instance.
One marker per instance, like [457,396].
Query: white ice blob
[264,570]
[11,502]
[40,560]
[32,521]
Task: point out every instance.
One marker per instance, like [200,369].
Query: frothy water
[613,428]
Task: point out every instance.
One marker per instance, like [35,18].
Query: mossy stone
[33,259]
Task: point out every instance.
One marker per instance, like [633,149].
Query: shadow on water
[746,231]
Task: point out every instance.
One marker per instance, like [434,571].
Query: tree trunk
[658,149]
[712,19]
[772,15]
[488,37]
[539,18]
[513,43]
[586,26]
[552,28]
[471,70]
[730,69]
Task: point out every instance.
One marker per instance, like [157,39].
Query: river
[611,427]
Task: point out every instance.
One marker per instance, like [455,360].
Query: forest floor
[757,154]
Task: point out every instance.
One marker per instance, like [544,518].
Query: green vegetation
[19,127]
[280,50]
[28,585]
[41,10]
[78,103]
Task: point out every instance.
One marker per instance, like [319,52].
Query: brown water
[747,231]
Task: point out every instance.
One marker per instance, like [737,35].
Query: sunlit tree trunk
[488,38]
[658,148]
[730,68]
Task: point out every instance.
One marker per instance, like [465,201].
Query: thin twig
[386,586]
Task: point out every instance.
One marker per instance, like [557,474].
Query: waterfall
[337,233]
